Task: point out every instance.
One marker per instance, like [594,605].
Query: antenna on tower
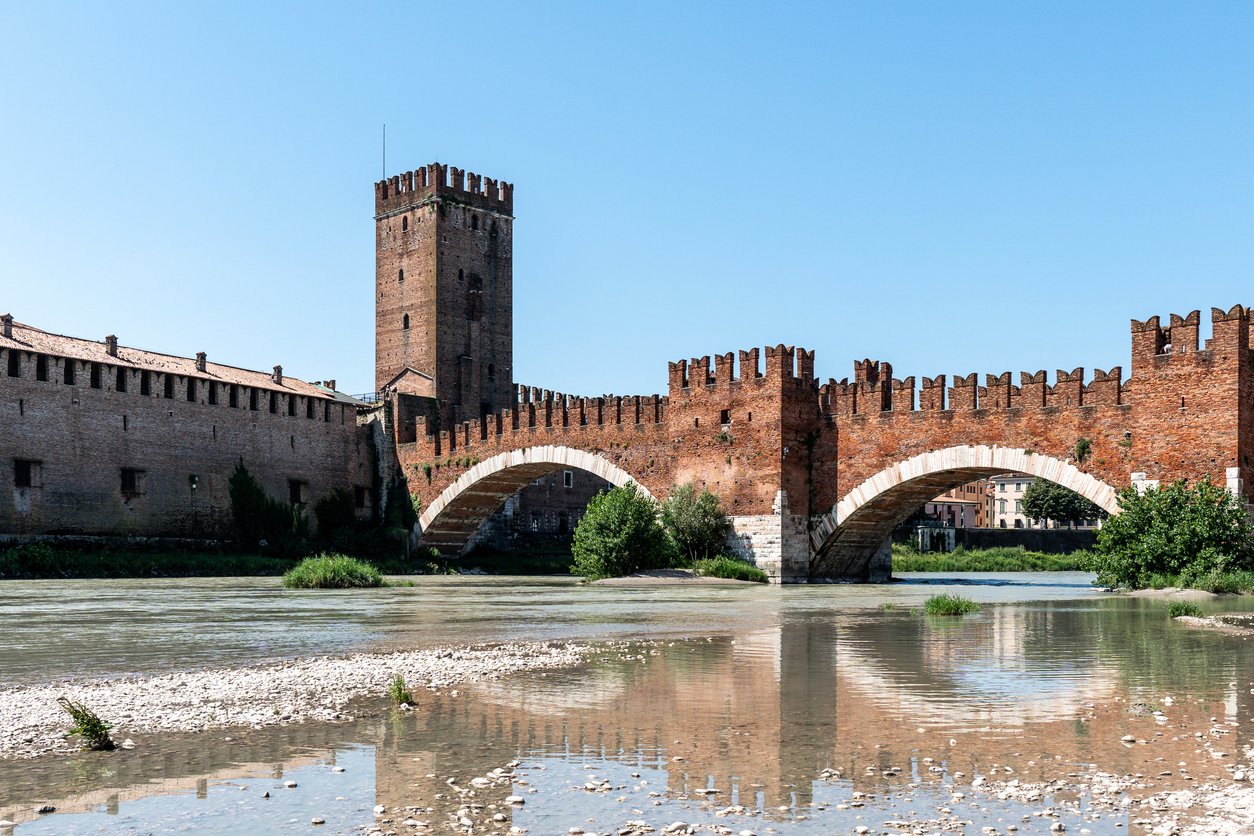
[385,150]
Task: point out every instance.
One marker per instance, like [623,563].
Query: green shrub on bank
[1196,535]
[618,534]
[1178,608]
[332,571]
[997,559]
[695,522]
[729,567]
[949,605]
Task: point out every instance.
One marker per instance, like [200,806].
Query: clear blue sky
[952,187]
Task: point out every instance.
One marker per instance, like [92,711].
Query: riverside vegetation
[624,531]
[998,559]
[1179,535]
[949,605]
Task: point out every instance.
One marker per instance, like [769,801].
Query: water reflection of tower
[807,704]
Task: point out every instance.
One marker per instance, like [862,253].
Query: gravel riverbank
[301,690]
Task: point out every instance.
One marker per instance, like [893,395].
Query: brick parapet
[436,181]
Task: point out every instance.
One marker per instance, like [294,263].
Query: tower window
[405,224]
[400,275]
[474,221]
[568,479]
[491,371]
[405,322]
[461,275]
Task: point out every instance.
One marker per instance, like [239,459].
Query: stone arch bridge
[815,475]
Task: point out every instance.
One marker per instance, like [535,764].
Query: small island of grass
[332,571]
[949,605]
[730,568]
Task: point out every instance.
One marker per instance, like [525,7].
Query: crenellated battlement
[539,409]
[1182,335]
[407,190]
[783,363]
[874,390]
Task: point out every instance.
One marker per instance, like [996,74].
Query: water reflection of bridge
[767,712]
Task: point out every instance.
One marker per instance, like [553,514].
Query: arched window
[461,275]
[404,224]
[491,371]
[400,275]
[405,322]
[474,221]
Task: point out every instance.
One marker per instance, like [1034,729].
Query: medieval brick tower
[444,290]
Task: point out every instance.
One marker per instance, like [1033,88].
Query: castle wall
[81,438]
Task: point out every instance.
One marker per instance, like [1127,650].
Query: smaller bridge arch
[451,520]
[849,536]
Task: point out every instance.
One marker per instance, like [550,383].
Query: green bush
[949,605]
[729,567]
[618,534]
[332,571]
[695,522]
[1187,533]
[1178,608]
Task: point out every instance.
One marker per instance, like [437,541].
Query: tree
[1175,532]
[695,522]
[1045,500]
[620,534]
[262,522]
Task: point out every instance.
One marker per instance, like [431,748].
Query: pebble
[291,785]
[317,820]
[515,799]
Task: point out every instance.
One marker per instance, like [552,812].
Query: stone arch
[849,536]
[452,519]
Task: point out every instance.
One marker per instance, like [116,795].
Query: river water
[751,691]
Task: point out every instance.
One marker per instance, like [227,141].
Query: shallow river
[751,691]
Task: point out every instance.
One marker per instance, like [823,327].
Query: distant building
[963,507]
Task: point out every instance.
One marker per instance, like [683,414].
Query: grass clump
[332,571]
[88,727]
[398,693]
[949,605]
[729,567]
[1178,608]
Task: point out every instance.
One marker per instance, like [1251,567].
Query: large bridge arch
[849,536]
[451,520]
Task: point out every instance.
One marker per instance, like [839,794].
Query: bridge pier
[778,543]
